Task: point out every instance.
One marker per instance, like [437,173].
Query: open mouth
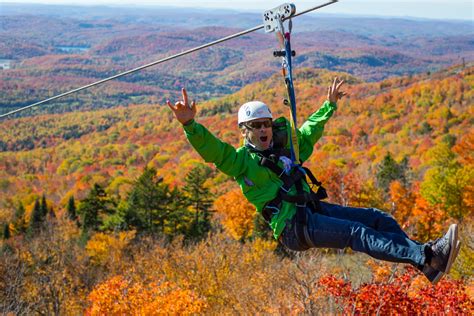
[263,138]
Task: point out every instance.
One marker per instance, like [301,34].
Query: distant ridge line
[159,61]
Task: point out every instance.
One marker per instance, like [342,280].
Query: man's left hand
[333,91]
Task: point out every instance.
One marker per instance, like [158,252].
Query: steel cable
[159,61]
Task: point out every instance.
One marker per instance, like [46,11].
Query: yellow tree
[121,296]
[445,183]
[107,249]
[237,213]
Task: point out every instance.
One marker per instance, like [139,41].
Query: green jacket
[259,184]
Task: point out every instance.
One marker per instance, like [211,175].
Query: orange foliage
[429,220]
[465,148]
[120,296]
[331,177]
[238,213]
[403,201]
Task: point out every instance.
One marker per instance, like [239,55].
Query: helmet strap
[248,143]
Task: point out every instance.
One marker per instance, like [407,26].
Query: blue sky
[436,9]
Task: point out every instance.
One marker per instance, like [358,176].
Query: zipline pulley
[273,21]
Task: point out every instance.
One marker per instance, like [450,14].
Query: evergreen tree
[132,213]
[117,220]
[43,207]
[96,205]
[200,200]
[179,220]
[36,216]
[71,208]
[389,170]
[149,203]
[6,231]
[405,173]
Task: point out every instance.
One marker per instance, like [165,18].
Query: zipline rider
[279,191]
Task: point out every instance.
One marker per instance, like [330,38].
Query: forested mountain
[403,144]
[50,50]
[110,211]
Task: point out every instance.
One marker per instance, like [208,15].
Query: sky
[433,9]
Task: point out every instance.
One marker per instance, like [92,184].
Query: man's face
[259,132]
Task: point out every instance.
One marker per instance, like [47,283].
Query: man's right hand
[183,111]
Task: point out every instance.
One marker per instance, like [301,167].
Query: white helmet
[253,110]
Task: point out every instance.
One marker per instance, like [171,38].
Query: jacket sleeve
[312,129]
[226,158]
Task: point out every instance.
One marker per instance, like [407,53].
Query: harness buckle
[284,189]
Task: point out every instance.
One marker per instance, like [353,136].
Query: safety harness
[294,177]
[302,199]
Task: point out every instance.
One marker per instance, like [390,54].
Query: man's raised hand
[183,111]
[333,91]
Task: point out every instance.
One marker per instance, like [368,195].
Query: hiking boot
[444,249]
[433,275]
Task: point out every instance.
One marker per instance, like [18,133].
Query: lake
[72,49]
[5,63]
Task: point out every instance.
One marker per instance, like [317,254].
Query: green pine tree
[71,208]
[179,220]
[36,216]
[94,207]
[200,200]
[43,207]
[389,170]
[117,220]
[149,203]
[6,231]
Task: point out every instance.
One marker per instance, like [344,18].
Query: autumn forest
[105,208]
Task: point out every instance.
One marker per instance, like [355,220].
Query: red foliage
[405,294]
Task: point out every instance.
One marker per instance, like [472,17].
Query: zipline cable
[160,61]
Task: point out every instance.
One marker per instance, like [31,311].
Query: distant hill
[51,49]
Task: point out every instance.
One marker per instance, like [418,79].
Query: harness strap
[288,180]
[301,227]
[311,176]
[301,199]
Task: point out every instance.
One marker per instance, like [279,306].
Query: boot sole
[453,253]
[440,274]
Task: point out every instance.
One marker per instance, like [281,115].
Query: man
[277,188]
